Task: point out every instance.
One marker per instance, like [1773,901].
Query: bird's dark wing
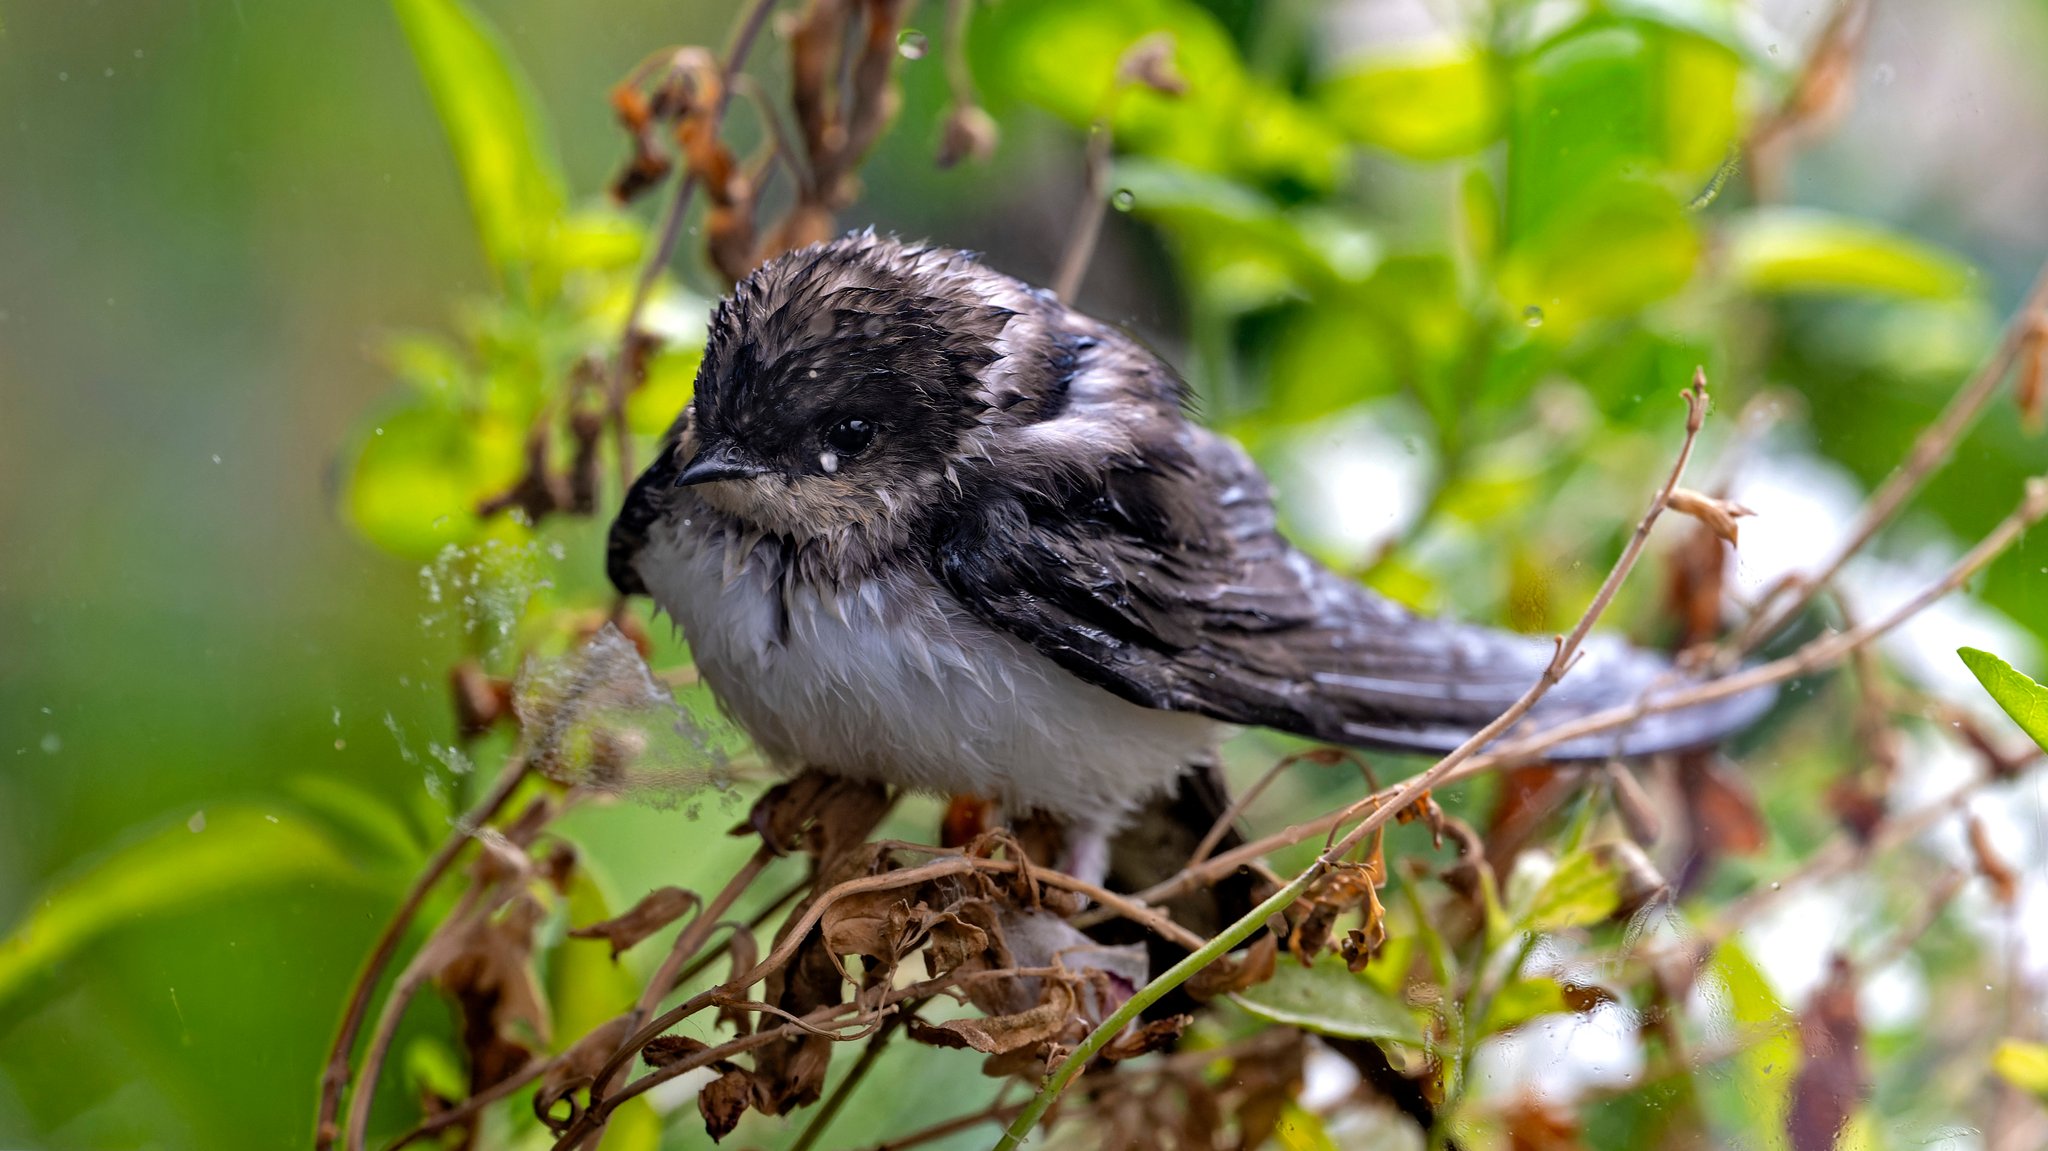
[1170,585]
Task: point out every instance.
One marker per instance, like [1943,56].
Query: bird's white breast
[887,678]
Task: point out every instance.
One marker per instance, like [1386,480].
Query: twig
[335,1078]
[1930,450]
[1080,247]
[1238,807]
[995,1113]
[1378,811]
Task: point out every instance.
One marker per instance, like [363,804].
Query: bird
[924,524]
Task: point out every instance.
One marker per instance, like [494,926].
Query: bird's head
[841,384]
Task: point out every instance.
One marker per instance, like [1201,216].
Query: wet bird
[922,523]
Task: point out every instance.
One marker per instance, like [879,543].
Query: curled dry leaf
[1719,515]
[2004,881]
[1001,1034]
[663,1050]
[489,974]
[1832,1080]
[1144,1040]
[1722,805]
[1234,973]
[656,910]
[1535,1123]
[724,1100]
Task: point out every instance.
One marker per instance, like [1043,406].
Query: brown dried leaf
[2031,393]
[1832,1080]
[1717,514]
[790,1074]
[1233,973]
[1146,1039]
[1000,1034]
[489,973]
[723,1101]
[875,924]
[967,818]
[663,1050]
[1722,804]
[931,1035]
[1538,1124]
[1858,806]
[558,866]
[2005,882]
[1695,572]
[656,910]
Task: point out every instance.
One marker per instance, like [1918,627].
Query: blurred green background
[214,218]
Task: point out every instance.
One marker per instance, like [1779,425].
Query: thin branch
[1381,810]
[995,1113]
[1087,229]
[469,1108]
[334,1079]
[1935,444]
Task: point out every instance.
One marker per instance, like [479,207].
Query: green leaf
[2023,699]
[508,165]
[1741,1000]
[1522,1000]
[1424,107]
[420,472]
[1582,891]
[1620,247]
[234,849]
[1062,55]
[671,378]
[2023,1064]
[1327,999]
[1802,250]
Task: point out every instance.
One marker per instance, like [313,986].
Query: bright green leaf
[1522,1000]
[1582,891]
[671,378]
[1620,247]
[1329,1000]
[1737,994]
[420,472]
[1300,1129]
[1802,250]
[233,849]
[508,165]
[2023,699]
[1424,107]
[2023,1064]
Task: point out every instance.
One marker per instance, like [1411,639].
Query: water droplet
[1885,74]
[52,743]
[1777,887]
[216,457]
[912,44]
[1123,199]
[340,744]
[1532,316]
[271,818]
[197,823]
[871,327]
[138,53]
[1774,49]
[380,431]
[110,73]
[63,75]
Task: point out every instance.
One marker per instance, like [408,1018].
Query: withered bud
[1719,515]
[480,701]
[2031,394]
[969,133]
[2004,881]
[1150,62]
[1641,883]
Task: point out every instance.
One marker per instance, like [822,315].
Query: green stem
[1147,995]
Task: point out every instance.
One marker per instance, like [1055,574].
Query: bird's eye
[850,437]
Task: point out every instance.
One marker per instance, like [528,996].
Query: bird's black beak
[715,462]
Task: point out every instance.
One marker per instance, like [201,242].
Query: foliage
[1501,250]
